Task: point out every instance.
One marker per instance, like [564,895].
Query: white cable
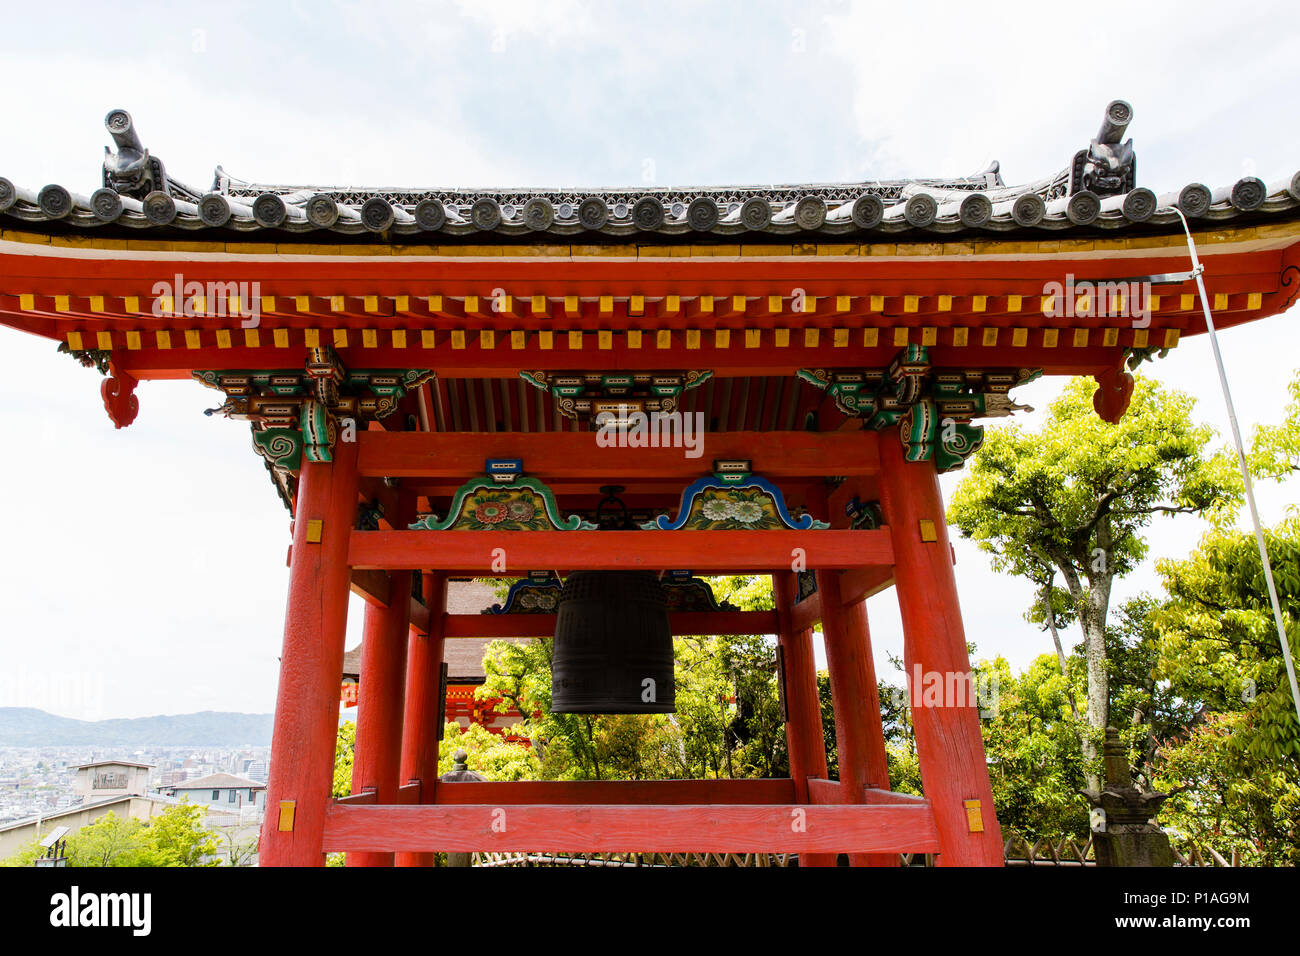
[1197,271]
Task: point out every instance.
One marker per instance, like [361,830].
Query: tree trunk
[1056,642]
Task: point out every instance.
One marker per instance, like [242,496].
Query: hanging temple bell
[613,650]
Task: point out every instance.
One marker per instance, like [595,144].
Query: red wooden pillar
[859,739]
[804,739]
[949,746]
[311,662]
[423,716]
[382,702]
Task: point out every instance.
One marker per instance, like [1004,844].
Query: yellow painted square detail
[311,338]
[399,338]
[281,338]
[870,338]
[636,305]
[672,304]
[97,303]
[251,338]
[1082,305]
[487,339]
[74,341]
[369,338]
[753,338]
[960,337]
[1220,302]
[233,305]
[692,338]
[575,340]
[1139,338]
[843,303]
[1186,302]
[809,304]
[1019,338]
[945,303]
[163,338]
[911,303]
[571,304]
[1254,301]
[402,303]
[315,529]
[839,338]
[302,303]
[1047,304]
[990,337]
[722,338]
[133,341]
[1050,337]
[131,303]
[634,338]
[900,337]
[427,338]
[435,303]
[1154,303]
[336,303]
[192,338]
[223,338]
[504,304]
[285,822]
[928,531]
[61,303]
[268,303]
[372,303]
[539,305]
[974,816]
[604,339]
[663,339]
[979,303]
[1110,337]
[546,339]
[458,338]
[471,304]
[774,303]
[199,306]
[929,334]
[340,338]
[1080,338]
[1013,303]
[27,302]
[104,340]
[1171,338]
[738,303]
[165,305]
[706,303]
[518,338]
[606,304]
[810,337]
[781,337]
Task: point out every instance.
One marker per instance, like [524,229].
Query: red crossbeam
[764,791]
[725,551]
[651,828]
[543,625]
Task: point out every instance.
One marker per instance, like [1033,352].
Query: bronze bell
[613,646]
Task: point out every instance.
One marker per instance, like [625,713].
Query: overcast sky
[143,570]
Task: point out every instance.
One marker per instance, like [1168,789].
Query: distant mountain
[29,727]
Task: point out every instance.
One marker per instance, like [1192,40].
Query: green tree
[110,841]
[1075,497]
[177,837]
[1275,449]
[344,747]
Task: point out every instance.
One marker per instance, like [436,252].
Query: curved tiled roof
[1096,191]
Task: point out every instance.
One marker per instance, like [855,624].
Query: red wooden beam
[652,828]
[858,584]
[543,625]
[875,796]
[807,614]
[576,454]
[512,552]
[764,791]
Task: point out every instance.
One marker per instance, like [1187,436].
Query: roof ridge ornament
[132,171]
[1108,167]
